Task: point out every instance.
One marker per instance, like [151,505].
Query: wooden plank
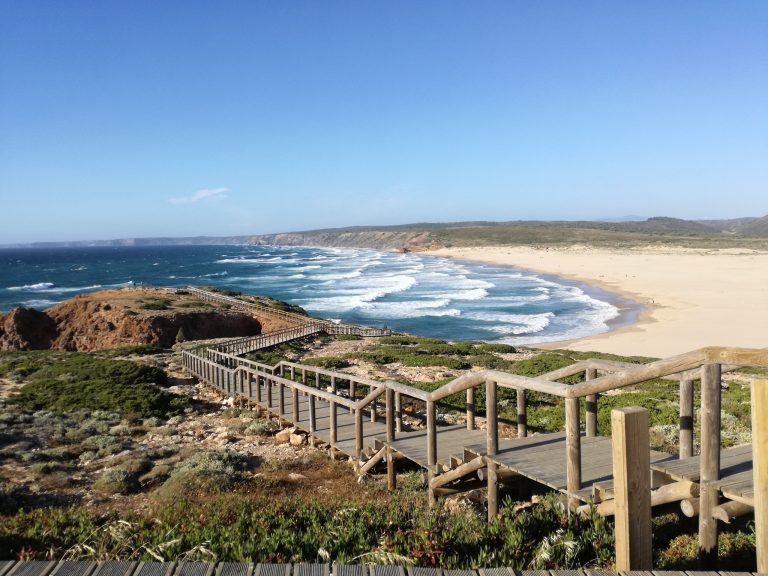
[378,570]
[155,569]
[501,571]
[349,570]
[115,568]
[307,569]
[78,568]
[424,571]
[195,569]
[272,570]
[234,569]
[32,568]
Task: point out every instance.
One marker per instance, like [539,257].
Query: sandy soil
[692,298]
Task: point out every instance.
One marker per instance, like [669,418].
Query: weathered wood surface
[123,568]
[632,487]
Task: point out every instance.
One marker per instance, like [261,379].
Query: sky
[186,117]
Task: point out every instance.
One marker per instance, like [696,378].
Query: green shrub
[210,471]
[262,428]
[156,304]
[344,337]
[497,348]
[116,481]
[144,399]
[139,350]
[327,362]
[492,362]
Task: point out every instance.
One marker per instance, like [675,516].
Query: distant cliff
[375,239]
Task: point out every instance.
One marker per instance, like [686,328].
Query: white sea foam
[38,303]
[473,294]
[522,323]
[40,286]
[338,275]
[409,309]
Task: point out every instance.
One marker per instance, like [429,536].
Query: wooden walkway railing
[577,462]
[134,568]
[298,319]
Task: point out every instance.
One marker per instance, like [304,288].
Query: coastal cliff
[411,241]
[112,318]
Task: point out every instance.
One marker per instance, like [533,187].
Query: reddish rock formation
[26,329]
[109,319]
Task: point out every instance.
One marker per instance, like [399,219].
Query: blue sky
[175,118]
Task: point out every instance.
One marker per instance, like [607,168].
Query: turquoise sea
[413,293]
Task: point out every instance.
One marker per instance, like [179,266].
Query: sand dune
[692,298]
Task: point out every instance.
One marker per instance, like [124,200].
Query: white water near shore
[691,298]
[416,293]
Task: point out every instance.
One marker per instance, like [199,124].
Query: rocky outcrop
[26,329]
[100,321]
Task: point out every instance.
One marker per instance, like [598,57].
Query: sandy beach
[691,298]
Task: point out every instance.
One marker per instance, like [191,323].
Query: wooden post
[431,446]
[373,409]
[390,420]
[312,421]
[632,488]
[281,389]
[471,408]
[398,412]
[591,405]
[333,384]
[760,469]
[522,414]
[492,447]
[686,419]
[573,448]
[333,430]
[295,405]
[709,470]
[358,433]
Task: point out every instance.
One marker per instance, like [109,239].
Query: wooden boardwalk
[363,419]
[132,568]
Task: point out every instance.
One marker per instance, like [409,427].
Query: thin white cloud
[200,195]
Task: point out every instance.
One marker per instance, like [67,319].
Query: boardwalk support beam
[632,486]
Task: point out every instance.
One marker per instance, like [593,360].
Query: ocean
[414,293]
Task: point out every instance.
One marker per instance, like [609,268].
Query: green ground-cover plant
[68,382]
[156,304]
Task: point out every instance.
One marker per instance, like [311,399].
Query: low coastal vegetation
[116,454]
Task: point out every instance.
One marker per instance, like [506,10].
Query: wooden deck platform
[736,481]
[128,568]
[539,457]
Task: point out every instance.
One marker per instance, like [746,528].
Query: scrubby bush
[82,382]
[497,348]
[144,399]
[156,304]
[116,481]
[327,362]
[211,470]
[262,428]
